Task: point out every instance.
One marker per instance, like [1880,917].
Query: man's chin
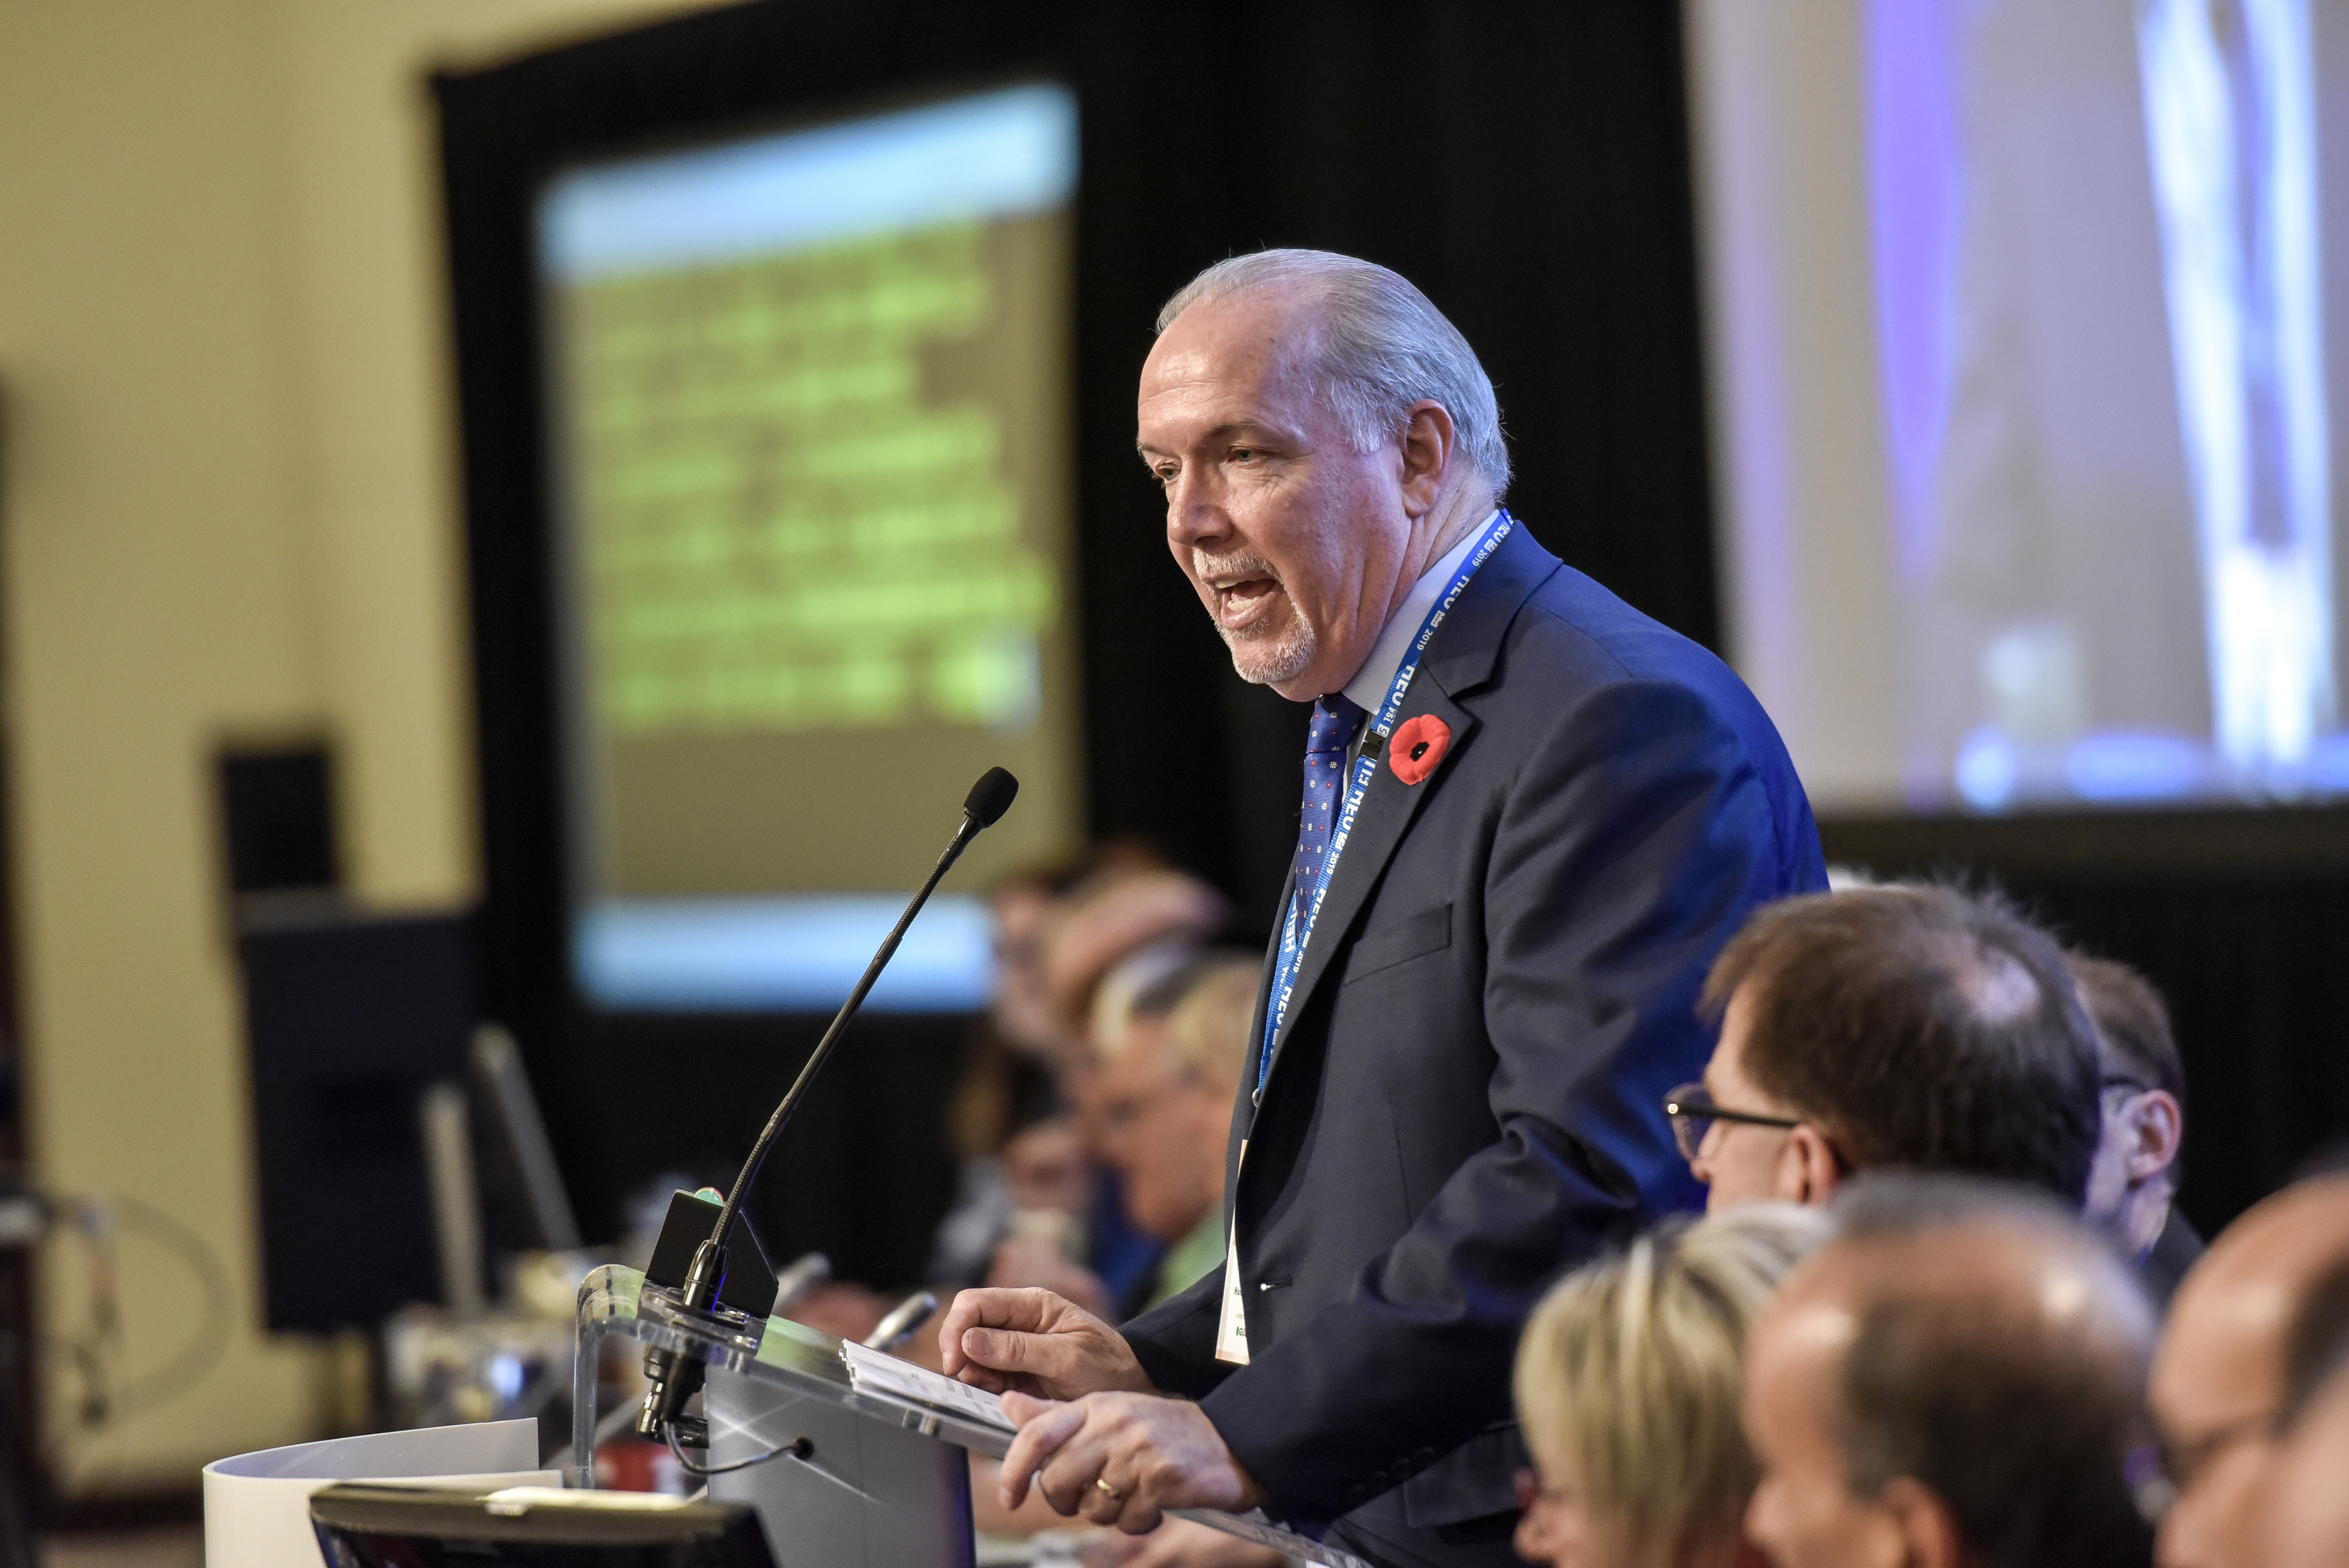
[1266,663]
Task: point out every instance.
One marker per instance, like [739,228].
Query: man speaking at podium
[1531,816]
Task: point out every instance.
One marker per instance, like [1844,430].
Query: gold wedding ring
[1110,1491]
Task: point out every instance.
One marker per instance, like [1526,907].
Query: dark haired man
[2142,1088]
[1896,1025]
[1955,1381]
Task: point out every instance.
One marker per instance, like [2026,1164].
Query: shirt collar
[1367,688]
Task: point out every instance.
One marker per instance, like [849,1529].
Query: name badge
[1231,1325]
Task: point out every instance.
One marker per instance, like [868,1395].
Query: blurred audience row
[1093,1110]
[1921,1321]
[1939,1370]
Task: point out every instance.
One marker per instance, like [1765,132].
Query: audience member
[1955,1379]
[2142,1115]
[1163,1098]
[1041,1210]
[2308,1506]
[1105,921]
[1167,1094]
[1910,1026]
[2219,1382]
[1010,1087]
[2310,1513]
[1627,1385]
[1114,938]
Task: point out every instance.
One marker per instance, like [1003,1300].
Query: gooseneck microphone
[981,808]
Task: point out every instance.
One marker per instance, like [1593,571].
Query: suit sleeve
[1176,1340]
[1631,845]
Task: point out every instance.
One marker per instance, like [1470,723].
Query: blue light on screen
[993,156]
[2122,767]
[785,954]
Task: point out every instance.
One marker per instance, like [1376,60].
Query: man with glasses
[1164,1104]
[2144,1118]
[2220,1383]
[1903,1025]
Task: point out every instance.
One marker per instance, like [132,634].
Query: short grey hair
[1384,347]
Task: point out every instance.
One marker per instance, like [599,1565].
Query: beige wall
[228,509]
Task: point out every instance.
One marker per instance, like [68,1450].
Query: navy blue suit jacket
[1464,1099]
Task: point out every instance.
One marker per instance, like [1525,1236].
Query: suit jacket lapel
[1460,658]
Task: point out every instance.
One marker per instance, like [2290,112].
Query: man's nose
[1194,511]
[1700,1164]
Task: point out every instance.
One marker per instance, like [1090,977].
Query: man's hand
[1121,1460]
[1033,1263]
[1179,1543]
[1037,1343]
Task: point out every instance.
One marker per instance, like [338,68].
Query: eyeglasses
[1692,1114]
[1123,1114]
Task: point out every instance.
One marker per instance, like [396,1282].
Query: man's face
[2129,1182]
[1554,1527]
[1295,542]
[1801,1514]
[1163,1132]
[2108,1174]
[1738,1161]
[2217,1380]
[2218,1376]
[2309,1516]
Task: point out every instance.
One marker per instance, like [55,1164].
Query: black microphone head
[990,796]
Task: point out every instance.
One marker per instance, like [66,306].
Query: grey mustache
[1211,566]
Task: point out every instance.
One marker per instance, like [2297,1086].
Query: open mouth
[1243,597]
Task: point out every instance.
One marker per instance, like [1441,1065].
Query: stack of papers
[876,1372]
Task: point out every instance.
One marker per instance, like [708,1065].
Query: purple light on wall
[1913,201]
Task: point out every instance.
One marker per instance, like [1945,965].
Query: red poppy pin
[1418,746]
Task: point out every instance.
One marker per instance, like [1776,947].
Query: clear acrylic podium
[880,1481]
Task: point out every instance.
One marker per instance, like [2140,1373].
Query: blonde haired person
[1627,1384]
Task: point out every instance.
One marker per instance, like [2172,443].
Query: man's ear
[1810,1170]
[2159,1123]
[1428,445]
[1927,1530]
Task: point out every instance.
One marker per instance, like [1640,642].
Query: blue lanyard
[1383,724]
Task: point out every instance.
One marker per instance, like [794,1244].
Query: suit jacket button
[1354,1496]
[1424,1457]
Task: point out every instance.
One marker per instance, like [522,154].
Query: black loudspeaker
[350,1019]
[277,818]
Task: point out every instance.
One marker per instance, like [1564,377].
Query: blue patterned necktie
[1335,721]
